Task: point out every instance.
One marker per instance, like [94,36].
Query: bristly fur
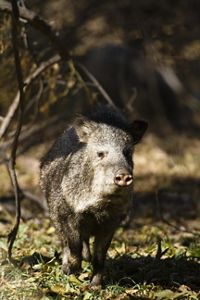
[78,179]
[108,115]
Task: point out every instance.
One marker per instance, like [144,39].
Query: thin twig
[41,25]
[24,194]
[26,133]
[12,160]
[159,252]
[14,106]
[34,58]
[35,101]
[97,85]
[38,200]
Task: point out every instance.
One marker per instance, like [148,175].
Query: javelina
[88,182]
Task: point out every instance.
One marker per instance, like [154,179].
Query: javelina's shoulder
[54,163]
[62,147]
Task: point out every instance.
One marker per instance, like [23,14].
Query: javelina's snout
[123,178]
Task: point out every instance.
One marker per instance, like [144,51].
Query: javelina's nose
[123,178]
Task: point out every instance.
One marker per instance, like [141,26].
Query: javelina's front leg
[101,245]
[72,251]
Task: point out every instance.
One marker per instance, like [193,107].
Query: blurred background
[146,57]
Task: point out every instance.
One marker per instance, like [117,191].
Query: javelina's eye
[101,154]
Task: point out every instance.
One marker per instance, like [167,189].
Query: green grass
[144,262]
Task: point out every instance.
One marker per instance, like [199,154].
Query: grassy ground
[139,266]
[155,257]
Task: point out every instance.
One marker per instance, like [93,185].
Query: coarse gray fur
[78,178]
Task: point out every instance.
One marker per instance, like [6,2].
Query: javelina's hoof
[96,282]
[65,269]
[95,287]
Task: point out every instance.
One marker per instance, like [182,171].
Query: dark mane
[108,115]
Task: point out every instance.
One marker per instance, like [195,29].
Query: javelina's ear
[138,128]
[84,127]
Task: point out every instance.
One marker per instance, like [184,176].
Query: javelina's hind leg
[72,253]
[86,250]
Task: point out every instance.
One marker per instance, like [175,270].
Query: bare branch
[34,132]
[41,25]
[35,101]
[13,107]
[40,201]
[12,160]
[97,85]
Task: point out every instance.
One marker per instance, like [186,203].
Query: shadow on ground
[169,272]
[127,271]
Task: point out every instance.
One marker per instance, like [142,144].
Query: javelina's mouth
[118,199]
[118,191]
